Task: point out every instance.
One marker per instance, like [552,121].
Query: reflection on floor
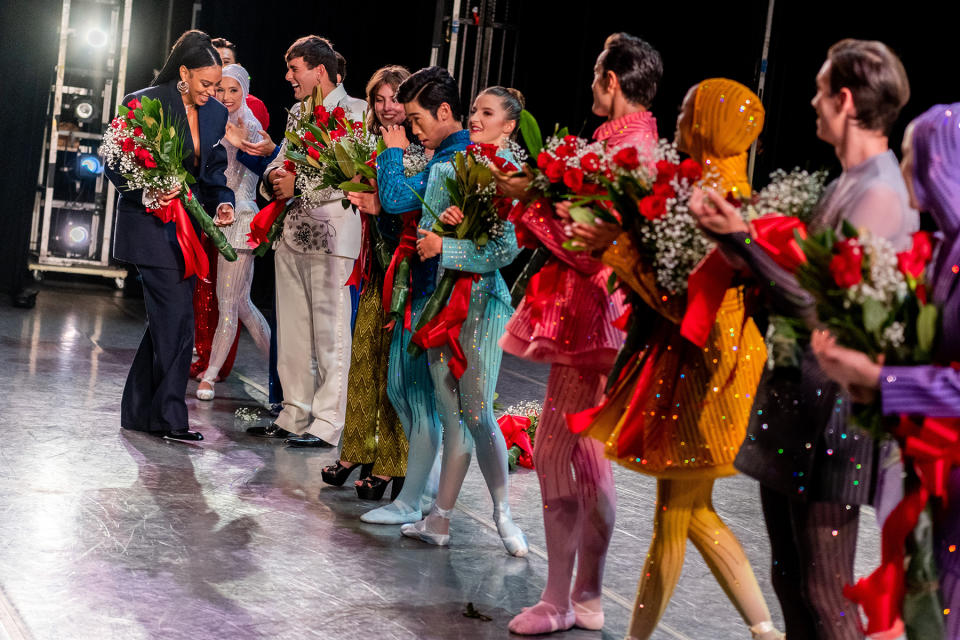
[110,534]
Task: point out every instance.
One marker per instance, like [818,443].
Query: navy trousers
[155,391]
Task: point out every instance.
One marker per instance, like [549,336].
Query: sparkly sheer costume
[934,390]
[679,411]
[234,278]
[572,329]
[465,406]
[409,385]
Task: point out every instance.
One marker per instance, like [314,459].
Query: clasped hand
[429,244]
[282,183]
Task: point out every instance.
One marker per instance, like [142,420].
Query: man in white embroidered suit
[313,263]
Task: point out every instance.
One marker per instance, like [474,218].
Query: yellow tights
[685,510]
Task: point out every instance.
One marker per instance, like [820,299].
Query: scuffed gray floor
[108,534]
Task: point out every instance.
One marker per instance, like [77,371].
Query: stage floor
[111,534]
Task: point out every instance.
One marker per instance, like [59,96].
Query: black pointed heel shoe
[373,488]
[337,474]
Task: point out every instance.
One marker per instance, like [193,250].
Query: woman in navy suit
[153,396]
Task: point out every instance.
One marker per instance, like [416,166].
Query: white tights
[233,299]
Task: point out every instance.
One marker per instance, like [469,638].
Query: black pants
[813,546]
[154,394]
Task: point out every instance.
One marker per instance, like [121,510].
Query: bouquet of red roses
[147,150]
[872,299]
[472,189]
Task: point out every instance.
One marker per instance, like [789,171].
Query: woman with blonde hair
[679,411]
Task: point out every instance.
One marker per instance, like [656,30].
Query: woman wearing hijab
[234,278]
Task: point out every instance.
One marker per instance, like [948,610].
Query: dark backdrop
[554,64]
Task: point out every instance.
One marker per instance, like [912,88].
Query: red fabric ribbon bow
[405,249]
[775,234]
[932,449]
[361,266]
[444,328]
[261,223]
[194,257]
[514,430]
[706,287]
[543,289]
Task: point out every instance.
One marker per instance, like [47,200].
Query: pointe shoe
[589,614]
[397,512]
[541,618]
[765,631]
[206,394]
[510,534]
[421,530]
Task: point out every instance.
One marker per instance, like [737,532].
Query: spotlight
[79,236]
[88,166]
[84,110]
[97,38]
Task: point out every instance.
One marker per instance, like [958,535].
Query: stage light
[96,38]
[88,166]
[83,110]
[78,236]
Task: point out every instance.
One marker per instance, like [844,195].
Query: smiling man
[313,262]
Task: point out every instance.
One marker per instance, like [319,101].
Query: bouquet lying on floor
[143,146]
[518,425]
[328,152]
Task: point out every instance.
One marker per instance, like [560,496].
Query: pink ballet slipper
[541,618]
[589,614]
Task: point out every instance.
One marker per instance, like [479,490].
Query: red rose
[570,141]
[309,137]
[321,115]
[573,178]
[665,171]
[555,170]
[590,162]
[134,104]
[847,263]
[138,132]
[289,166]
[131,115]
[563,151]
[145,158]
[652,207]
[503,164]
[663,190]
[543,160]
[313,153]
[690,170]
[339,113]
[357,126]
[338,133]
[128,145]
[372,162]
[914,262]
[118,123]
[628,158]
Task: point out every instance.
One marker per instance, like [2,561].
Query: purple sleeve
[929,390]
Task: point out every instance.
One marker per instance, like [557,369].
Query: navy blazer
[139,237]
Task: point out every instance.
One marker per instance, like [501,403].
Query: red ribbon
[405,249]
[514,430]
[624,320]
[543,288]
[194,257]
[261,223]
[444,328]
[706,288]
[775,234]
[932,449]
[361,266]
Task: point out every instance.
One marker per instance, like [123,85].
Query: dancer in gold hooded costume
[679,411]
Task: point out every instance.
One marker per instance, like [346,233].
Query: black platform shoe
[373,488]
[337,474]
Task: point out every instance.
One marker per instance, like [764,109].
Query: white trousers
[313,341]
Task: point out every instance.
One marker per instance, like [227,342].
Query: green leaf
[874,315]
[293,139]
[563,133]
[927,327]
[850,231]
[366,171]
[345,161]
[571,245]
[585,215]
[381,146]
[530,132]
[355,187]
